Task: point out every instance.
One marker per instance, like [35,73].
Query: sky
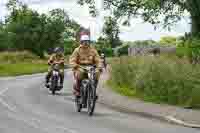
[137,31]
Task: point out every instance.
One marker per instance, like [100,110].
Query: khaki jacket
[85,56]
[57,58]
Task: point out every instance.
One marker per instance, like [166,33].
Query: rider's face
[85,43]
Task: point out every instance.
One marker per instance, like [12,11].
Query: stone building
[151,50]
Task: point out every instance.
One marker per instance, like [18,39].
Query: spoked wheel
[78,104]
[53,86]
[91,101]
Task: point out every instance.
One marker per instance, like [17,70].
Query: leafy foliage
[165,12]
[111,31]
[168,40]
[190,48]
[26,29]
[102,45]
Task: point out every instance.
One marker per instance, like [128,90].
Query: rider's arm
[62,60]
[51,59]
[74,59]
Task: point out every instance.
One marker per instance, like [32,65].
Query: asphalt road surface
[26,106]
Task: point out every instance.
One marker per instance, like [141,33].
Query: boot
[48,76]
[61,81]
[47,81]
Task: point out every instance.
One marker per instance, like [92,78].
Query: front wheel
[53,92]
[91,101]
[53,86]
[78,104]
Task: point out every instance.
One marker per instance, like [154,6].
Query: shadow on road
[61,94]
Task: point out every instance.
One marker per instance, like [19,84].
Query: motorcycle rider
[103,58]
[84,55]
[56,58]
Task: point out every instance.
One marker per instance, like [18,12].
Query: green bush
[122,50]
[190,48]
[69,47]
[158,79]
[193,46]
[107,51]
[181,52]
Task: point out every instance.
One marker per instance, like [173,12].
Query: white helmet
[85,38]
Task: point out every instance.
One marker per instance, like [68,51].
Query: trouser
[79,75]
[61,74]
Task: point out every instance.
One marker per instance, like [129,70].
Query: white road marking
[3,91]
[28,122]
[13,109]
[33,121]
[180,122]
[67,129]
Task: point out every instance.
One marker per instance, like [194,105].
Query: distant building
[149,50]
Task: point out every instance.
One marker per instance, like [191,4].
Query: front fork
[84,93]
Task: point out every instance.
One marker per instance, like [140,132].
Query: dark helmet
[58,50]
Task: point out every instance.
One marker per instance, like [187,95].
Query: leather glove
[100,70]
[75,66]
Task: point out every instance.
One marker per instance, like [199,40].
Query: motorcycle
[104,63]
[55,78]
[88,97]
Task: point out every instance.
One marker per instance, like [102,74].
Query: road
[26,106]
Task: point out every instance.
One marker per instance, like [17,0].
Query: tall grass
[157,79]
[14,57]
[20,63]
[22,69]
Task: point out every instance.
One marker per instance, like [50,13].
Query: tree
[26,29]
[3,37]
[56,23]
[164,12]
[111,31]
[62,29]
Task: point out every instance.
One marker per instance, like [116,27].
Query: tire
[91,101]
[53,92]
[78,104]
[53,85]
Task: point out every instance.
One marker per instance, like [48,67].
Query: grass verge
[22,69]
[124,91]
[21,63]
[157,79]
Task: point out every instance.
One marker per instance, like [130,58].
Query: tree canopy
[164,12]
[26,29]
[111,32]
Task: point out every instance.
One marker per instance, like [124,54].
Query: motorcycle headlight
[89,75]
[56,67]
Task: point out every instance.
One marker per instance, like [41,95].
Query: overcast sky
[137,31]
